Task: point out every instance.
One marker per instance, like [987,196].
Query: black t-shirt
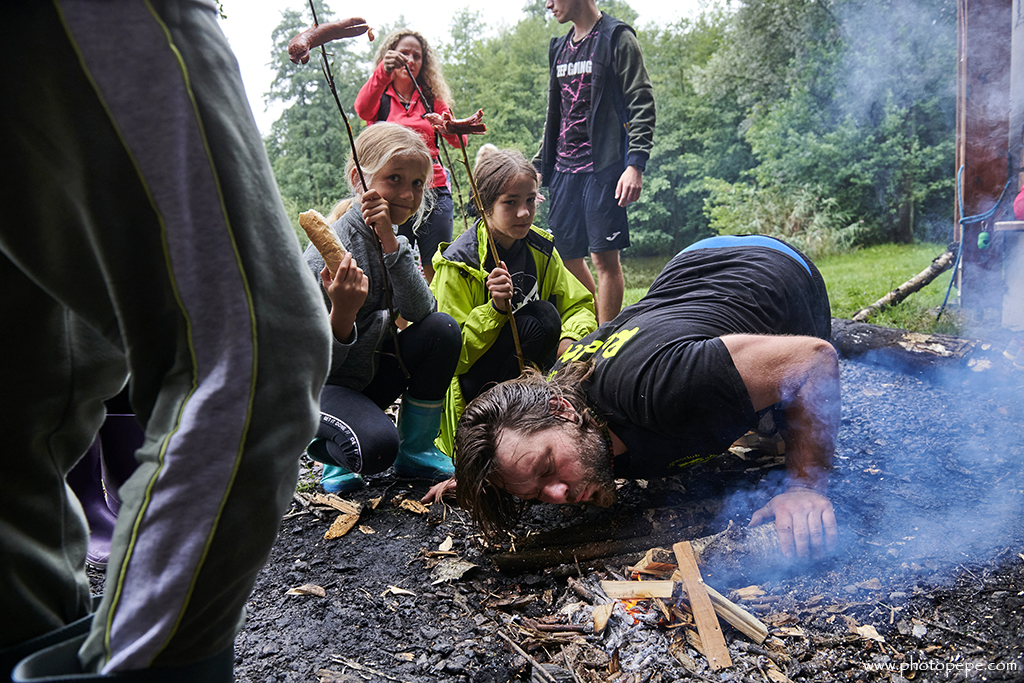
[574,67]
[523,269]
[662,377]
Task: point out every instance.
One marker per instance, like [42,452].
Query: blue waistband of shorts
[749,241]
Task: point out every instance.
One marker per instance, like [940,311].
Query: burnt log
[924,354]
[737,551]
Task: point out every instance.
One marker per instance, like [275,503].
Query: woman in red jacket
[390,95]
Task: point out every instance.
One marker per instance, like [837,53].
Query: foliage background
[827,122]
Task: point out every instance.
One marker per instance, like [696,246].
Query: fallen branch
[537,671]
[938,266]
[737,551]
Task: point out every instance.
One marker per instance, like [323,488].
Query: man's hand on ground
[805,521]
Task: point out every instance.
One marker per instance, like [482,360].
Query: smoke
[928,474]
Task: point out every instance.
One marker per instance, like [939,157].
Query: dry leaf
[366,529]
[341,526]
[446,545]
[870,585]
[449,569]
[414,506]
[869,633]
[374,502]
[307,589]
[601,614]
[395,590]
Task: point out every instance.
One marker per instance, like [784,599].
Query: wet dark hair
[527,405]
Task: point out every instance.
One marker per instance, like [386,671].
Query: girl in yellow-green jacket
[551,308]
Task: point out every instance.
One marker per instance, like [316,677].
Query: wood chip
[338,503]
[307,589]
[414,506]
[601,615]
[790,632]
[341,526]
[446,545]
[748,593]
[366,529]
[395,590]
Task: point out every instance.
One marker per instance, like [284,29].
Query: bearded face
[560,464]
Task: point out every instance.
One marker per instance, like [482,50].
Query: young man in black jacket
[597,139]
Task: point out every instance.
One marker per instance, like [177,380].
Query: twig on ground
[538,670]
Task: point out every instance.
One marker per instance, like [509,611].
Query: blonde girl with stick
[551,308]
[373,363]
[407,83]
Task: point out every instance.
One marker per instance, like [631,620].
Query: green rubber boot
[418,425]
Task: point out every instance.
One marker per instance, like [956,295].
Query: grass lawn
[854,280]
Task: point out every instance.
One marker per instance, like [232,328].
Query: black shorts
[585,217]
[435,228]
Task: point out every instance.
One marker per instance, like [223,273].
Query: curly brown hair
[527,404]
[431,78]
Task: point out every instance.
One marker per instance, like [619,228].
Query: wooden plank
[708,628]
[637,590]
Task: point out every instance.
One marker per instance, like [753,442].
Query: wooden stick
[538,670]
[493,249]
[740,619]
[703,611]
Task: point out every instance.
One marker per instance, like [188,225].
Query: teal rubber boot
[418,426]
[335,479]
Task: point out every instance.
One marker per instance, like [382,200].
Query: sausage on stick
[446,124]
[301,45]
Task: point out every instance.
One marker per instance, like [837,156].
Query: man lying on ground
[731,328]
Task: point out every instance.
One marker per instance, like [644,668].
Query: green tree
[308,145]
[698,133]
[856,106]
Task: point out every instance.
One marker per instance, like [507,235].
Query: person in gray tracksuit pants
[142,236]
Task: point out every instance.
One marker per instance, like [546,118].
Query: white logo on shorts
[613,236]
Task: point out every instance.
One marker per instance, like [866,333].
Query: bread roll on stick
[323,238]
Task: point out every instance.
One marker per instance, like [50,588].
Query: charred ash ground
[927,584]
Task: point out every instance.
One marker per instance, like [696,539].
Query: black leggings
[355,431]
[540,328]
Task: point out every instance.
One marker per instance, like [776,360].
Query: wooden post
[984,29]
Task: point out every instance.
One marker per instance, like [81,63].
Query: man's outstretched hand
[438,491]
[805,521]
